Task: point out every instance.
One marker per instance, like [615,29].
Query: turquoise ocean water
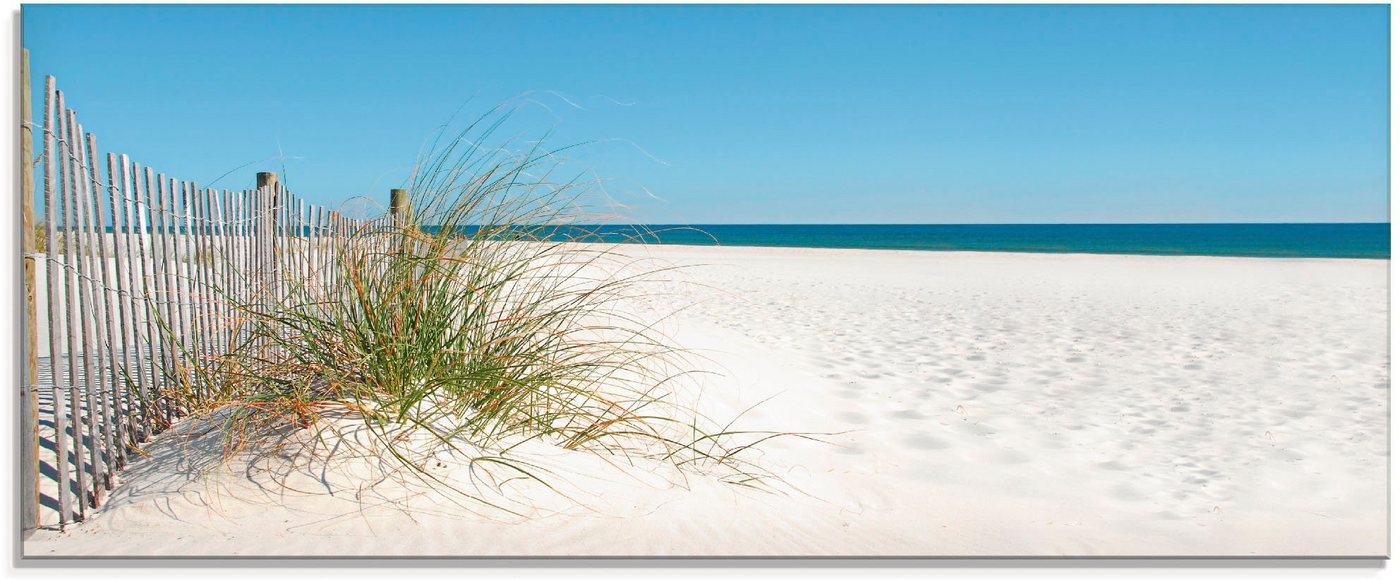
[1351,240]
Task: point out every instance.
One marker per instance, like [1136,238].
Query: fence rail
[147,280]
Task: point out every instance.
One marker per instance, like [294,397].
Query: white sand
[993,404]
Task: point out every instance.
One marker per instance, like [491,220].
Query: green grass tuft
[479,322]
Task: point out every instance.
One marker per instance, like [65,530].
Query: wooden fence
[147,280]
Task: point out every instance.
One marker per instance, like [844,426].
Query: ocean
[1350,240]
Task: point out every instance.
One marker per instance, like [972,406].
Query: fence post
[28,397]
[266,239]
[398,206]
[267,185]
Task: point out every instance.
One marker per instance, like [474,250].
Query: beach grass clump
[488,317]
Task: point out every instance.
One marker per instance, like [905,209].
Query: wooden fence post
[265,237]
[266,179]
[28,396]
[398,206]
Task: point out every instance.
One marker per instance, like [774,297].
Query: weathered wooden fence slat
[58,370]
[92,365]
[121,343]
[70,285]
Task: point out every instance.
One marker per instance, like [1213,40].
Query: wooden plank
[318,221]
[250,272]
[265,221]
[231,267]
[211,272]
[189,243]
[226,217]
[28,395]
[94,324]
[180,282]
[200,279]
[194,301]
[108,299]
[59,370]
[245,259]
[313,248]
[255,255]
[336,250]
[218,237]
[267,234]
[329,233]
[190,253]
[152,358]
[232,224]
[279,245]
[304,248]
[170,311]
[207,263]
[155,268]
[289,253]
[92,416]
[72,314]
[121,237]
[160,312]
[225,314]
[134,242]
[253,276]
[101,271]
[211,243]
[177,295]
[288,262]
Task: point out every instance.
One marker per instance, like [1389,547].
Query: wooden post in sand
[28,396]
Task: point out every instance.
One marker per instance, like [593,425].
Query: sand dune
[980,404]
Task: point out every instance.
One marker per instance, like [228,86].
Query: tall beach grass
[489,317]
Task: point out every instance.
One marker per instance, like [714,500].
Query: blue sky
[767,114]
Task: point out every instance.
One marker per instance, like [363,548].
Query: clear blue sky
[768,114]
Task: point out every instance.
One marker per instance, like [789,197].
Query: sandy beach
[974,404]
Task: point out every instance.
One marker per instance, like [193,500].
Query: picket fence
[148,280]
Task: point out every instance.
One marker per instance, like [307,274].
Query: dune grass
[480,321]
